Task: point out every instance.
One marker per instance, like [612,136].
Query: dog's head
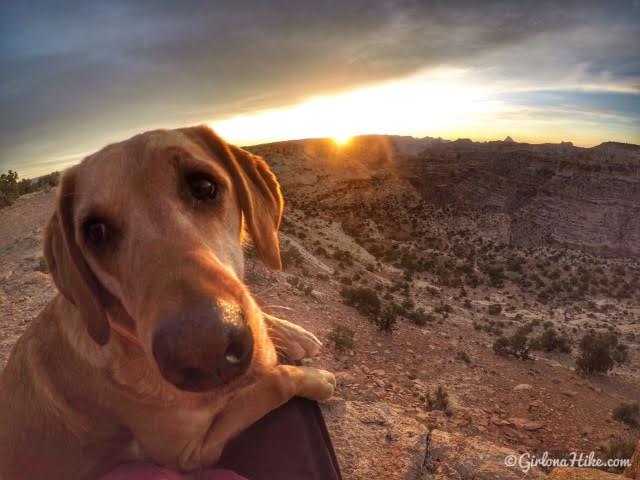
[147,240]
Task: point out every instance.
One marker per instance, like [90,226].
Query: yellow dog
[154,348]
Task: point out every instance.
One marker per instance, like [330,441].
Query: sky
[75,76]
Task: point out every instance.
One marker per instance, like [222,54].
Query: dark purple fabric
[291,443]
[150,471]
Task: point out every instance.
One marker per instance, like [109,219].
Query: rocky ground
[454,263]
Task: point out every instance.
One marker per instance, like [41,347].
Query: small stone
[522,387]
[344,378]
[525,424]
[535,404]
[499,421]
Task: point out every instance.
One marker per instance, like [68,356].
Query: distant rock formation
[508,140]
[540,195]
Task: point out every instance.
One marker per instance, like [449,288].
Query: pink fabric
[150,471]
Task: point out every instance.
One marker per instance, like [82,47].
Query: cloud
[79,74]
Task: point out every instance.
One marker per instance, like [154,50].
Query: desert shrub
[387,318]
[343,256]
[291,257]
[544,296]
[443,308]
[495,309]
[472,280]
[408,304]
[5,200]
[621,448]
[48,181]
[517,345]
[550,341]
[492,327]
[342,338]
[599,352]
[299,284]
[365,300]
[501,346]
[419,316]
[42,265]
[628,413]
[496,277]
[464,356]
[439,400]
[11,188]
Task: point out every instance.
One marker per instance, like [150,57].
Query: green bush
[628,413]
[464,356]
[419,317]
[11,188]
[365,300]
[439,401]
[343,256]
[621,448]
[42,265]
[599,352]
[48,181]
[291,257]
[551,341]
[495,309]
[517,345]
[386,320]
[342,338]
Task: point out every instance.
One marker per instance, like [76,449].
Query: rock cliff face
[533,195]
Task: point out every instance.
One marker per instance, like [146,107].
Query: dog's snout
[203,347]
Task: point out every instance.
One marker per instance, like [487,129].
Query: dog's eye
[96,233]
[202,187]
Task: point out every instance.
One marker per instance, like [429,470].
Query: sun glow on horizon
[342,139]
[449,103]
[434,102]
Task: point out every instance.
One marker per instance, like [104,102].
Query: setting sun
[341,139]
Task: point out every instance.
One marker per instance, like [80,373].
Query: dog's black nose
[203,347]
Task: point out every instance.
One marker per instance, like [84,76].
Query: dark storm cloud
[72,69]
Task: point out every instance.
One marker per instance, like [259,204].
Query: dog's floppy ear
[69,269]
[258,193]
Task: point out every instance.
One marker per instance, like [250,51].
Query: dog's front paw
[292,340]
[315,384]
